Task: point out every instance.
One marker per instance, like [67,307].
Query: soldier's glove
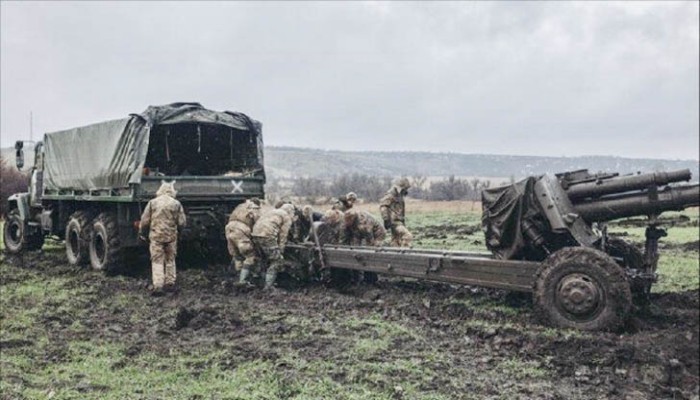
[387,224]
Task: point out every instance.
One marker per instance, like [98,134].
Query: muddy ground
[459,342]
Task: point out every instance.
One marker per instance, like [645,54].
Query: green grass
[678,271]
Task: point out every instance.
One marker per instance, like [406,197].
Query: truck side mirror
[19,154]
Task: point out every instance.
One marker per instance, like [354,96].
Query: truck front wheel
[105,248]
[16,236]
[78,238]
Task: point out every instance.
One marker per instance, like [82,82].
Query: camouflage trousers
[271,253]
[241,248]
[163,263]
[400,236]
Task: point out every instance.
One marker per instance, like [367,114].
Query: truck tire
[78,238]
[16,236]
[105,247]
[582,288]
[14,233]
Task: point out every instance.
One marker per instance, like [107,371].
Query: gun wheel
[78,238]
[582,288]
[105,249]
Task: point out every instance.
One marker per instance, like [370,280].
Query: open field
[67,333]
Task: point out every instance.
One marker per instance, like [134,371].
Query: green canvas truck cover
[111,154]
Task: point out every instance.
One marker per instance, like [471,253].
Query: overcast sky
[501,78]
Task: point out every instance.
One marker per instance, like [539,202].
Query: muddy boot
[270,278]
[172,288]
[243,278]
[157,292]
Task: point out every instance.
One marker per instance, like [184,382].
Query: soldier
[361,228]
[302,226]
[238,234]
[270,235]
[345,202]
[333,231]
[165,217]
[393,210]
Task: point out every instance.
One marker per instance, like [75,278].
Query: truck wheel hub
[578,295]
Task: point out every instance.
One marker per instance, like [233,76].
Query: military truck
[89,185]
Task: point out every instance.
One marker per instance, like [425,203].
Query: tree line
[372,188]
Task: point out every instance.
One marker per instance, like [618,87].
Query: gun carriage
[547,235]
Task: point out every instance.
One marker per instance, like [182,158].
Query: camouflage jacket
[361,225]
[238,229]
[246,213]
[332,230]
[274,224]
[392,206]
[163,215]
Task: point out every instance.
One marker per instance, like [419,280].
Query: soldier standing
[165,217]
[238,235]
[270,235]
[393,210]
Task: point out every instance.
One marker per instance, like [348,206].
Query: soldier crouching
[361,228]
[238,236]
[270,235]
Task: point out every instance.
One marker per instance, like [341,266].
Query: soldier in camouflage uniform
[165,217]
[238,234]
[270,235]
[361,228]
[302,226]
[333,231]
[393,210]
[344,203]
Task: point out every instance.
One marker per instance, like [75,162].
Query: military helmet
[403,183]
[352,197]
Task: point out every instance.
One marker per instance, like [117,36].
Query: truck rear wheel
[105,247]
[16,236]
[78,238]
[582,288]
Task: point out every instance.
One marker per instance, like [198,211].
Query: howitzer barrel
[621,184]
[646,203]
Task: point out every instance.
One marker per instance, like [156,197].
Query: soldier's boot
[270,278]
[243,278]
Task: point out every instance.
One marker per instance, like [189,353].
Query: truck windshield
[202,150]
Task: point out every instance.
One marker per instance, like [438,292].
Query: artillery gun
[547,235]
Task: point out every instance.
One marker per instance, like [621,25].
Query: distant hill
[287,162]
[292,161]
